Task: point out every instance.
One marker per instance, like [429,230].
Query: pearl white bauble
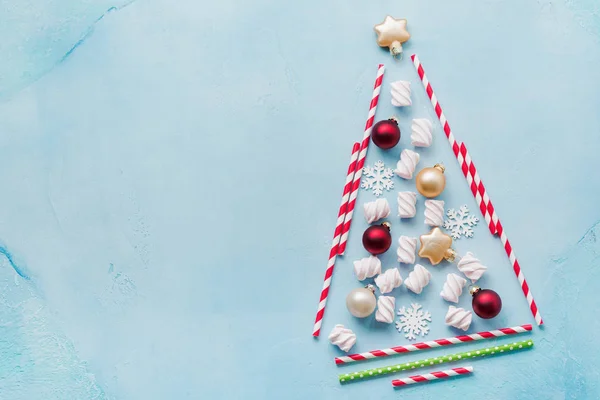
[361,302]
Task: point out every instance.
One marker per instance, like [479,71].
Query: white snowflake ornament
[413,321]
[377,178]
[460,223]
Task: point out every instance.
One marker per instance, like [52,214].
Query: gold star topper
[392,33]
[436,246]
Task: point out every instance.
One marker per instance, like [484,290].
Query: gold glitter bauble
[431,181]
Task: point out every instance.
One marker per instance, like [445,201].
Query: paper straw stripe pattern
[344,220]
[391,369]
[336,239]
[477,188]
[362,157]
[432,376]
[433,344]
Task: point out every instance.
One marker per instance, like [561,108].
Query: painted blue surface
[170,189]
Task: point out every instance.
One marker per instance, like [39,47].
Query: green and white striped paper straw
[486,351]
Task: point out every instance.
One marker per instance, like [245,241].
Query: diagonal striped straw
[478,189]
[362,157]
[346,208]
[336,239]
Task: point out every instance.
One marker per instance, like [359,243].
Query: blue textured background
[171,172]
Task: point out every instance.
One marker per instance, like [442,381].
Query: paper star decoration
[436,246]
[392,33]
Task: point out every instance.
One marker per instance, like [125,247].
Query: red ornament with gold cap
[377,239]
[486,303]
[386,133]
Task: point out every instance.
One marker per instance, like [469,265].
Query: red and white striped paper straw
[478,189]
[432,376]
[473,179]
[432,344]
[361,158]
[336,238]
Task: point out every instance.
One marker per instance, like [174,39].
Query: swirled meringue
[471,267]
[407,204]
[422,132]
[459,318]
[453,288]
[367,267]
[342,337]
[407,247]
[401,93]
[434,212]
[389,280]
[418,279]
[385,309]
[407,164]
[376,210]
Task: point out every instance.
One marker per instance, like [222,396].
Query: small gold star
[392,33]
[436,246]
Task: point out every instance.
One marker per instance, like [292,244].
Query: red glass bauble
[377,239]
[386,134]
[486,303]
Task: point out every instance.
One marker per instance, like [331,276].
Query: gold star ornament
[392,33]
[436,246]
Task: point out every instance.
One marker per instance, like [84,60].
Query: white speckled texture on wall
[171,184]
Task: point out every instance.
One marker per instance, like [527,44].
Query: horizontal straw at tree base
[432,376]
[391,369]
[432,344]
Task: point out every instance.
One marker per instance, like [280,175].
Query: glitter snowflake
[377,178]
[413,321]
[460,222]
